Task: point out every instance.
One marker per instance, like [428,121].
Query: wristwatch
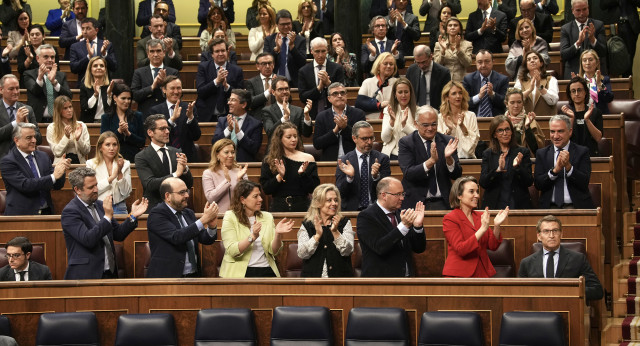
[250,239]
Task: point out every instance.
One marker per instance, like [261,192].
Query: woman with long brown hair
[526,129]
[66,135]
[257,35]
[398,118]
[216,19]
[456,120]
[223,174]
[453,51]
[124,122]
[539,89]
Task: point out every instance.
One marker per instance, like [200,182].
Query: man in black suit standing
[380,44]
[260,86]
[185,129]
[556,261]
[71,31]
[333,127]
[91,45]
[20,268]
[431,9]
[403,26]
[427,77]
[581,34]
[174,233]
[171,50]
[360,170]
[242,129]
[388,236]
[563,169]
[287,48]
[487,87]
[486,28]
[325,14]
[159,161]
[625,13]
[45,84]
[282,110]
[13,112]
[172,29]
[542,22]
[550,7]
[429,161]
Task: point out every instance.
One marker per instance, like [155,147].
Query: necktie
[399,30]
[175,131]
[485,104]
[94,45]
[165,161]
[22,275]
[392,217]
[586,38]
[495,4]
[12,113]
[155,72]
[485,15]
[422,89]
[266,87]
[234,137]
[364,182]
[34,171]
[322,102]
[191,250]
[107,244]
[433,184]
[550,264]
[50,96]
[558,189]
[381,46]
[282,59]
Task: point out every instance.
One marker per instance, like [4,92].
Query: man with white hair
[427,77]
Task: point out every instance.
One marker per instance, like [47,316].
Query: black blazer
[248,146]
[408,35]
[571,264]
[186,134]
[542,22]
[364,56]
[350,192]
[141,83]
[440,76]
[515,182]
[385,251]
[37,271]
[471,83]
[324,139]
[168,241]
[272,114]
[317,30]
[491,41]
[88,114]
[212,99]
[296,57]
[37,95]
[6,139]
[308,88]
[255,87]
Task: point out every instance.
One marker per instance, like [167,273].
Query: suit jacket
[551,8]
[23,189]
[324,139]
[212,99]
[271,116]
[380,8]
[54,21]
[385,251]
[411,156]
[542,22]
[327,15]
[129,145]
[141,83]
[203,10]
[184,133]
[37,95]
[491,41]
[68,35]
[571,264]
[37,271]
[255,87]
[148,165]
[472,83]
[440,76]
[6,128]
[433,12]
[250,143]
[168,241]
[317,30]
[141,54]
[88,114]
[145,12]
[367,64]
[308,88]
[571,55]
[350,191]
[577,183]
[407,35]
[78,59]
[508,7]
[83,236]
[613,7]
[172,31]
[296,57]
[514,182]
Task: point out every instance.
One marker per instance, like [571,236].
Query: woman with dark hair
[339,54]
[66,135]
[19,36]
[250,237]
[223,174]
[446,12]
[124,122]
[506,168]
[398,119]
[468,233]
[252,13]
[600,90]
[453,51]
[216,19]
[95,91]
[526,40]
[9,12]
[456,120]
[288,174]
[257,35]
[586,119]
[307,25]
[540,90]
[526,129]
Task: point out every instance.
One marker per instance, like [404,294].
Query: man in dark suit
[403,26]
[171,51]
[90,46]
[486,87]
[325,14]
[556,261]
[145,11]
[148,79]
[259,87]
[282,110]
[20,268]
[427,77]
[214,82]
[12,113]
[486,28]
[174,233]
[380,44]
[382,7]
[563,169]
[287,48]
[360,170]
[89,229]
[71,31]
[542,22]
[5,65]
[579,35]
[431,9]
[315,77]
[508,7]
[205,6]
[172,30]
[333,127]
[29,176]
[549,7]
[388,236]
[429,161]
[45,84]
[243,130]
[625,13]
[159,161]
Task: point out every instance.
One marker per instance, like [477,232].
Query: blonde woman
[267,20]
[456,120]
[223,174]
[375,92]
[397,120]
[307,25]
[453,51]
[95,92]
[66,135]
[526,40]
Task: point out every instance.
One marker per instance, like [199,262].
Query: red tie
[392,216]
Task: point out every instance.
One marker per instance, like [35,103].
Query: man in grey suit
[171,50]
[282,110]
[579,35]
[431,9]
[13,112]
[427,77]
[556,261]
[260,86]
[159,161]
[20,268]
[45,84]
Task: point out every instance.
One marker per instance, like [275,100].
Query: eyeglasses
[504,131]
[555,231]
[265,63]
[338,93]
[13,255]
[366,139]
[576,91]
[182,193]
[426,125]
[163,128]
[398,195]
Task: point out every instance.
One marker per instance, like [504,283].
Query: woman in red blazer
[468,234]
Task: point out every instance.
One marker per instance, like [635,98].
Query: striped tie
[485,103]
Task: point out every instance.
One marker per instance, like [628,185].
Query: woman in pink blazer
[219,180]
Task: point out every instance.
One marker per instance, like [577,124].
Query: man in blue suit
[380,44]
[242,129]
[145,11]
[89,229]
[486,87]
[287,62]
[486,28]
[83,51]
[214,82]
[71,31]
[29,176]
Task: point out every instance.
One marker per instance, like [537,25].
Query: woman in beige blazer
[453,51]
[222,175]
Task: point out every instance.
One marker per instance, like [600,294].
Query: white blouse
[80,147]
[391,135]
[120,189]
[307,245]
[466,144]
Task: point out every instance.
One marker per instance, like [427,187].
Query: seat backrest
[225,326]
[142,259]
[146,329]
[219,255]
[532,328]
[293,266]
[37,255]
[47,150]
[356,259]
[605,147]
[451,328]
[630,108]
[534,194]
[3,201]
[119,250]
[571,245]
[5,326]
[503,259]
[68,328]
[310,149]
[368,325]
[303,325]
[595,190]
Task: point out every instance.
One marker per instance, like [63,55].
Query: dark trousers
[259,272]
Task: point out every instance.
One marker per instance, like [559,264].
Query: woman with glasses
[540,90]
[453,51]
[397,120]
[223,174]
[506,168]
[585,117]
[526,129]
[257,35]
[526,40]
[600,90]
[375,92]
[468,233]
[124,122]
[456,120]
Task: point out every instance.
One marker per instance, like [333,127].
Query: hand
[190,109]
[303,167]
[587,115]
[139,207]
[181,160]
[340,52]
[60,168]
[323,78]
[485,218]
[340,121]
[243,171]
[27,51]
[317,224]
[52,74]
[285,109]
[347,168]
[599,80]
[566,110]
[392,116]
[434,155]
[225,172]
[502,162]
[375,168]
[335,220]
[255,230]
[230,121]
[105,45]
[451,148]
[442,41]
[307,109]
[42,71]
[563,157]
[176,112]
[490,89]
[96,87]
[483,90]
[22,115]
[222,76]
[278,43]
[120,163]
[501,216]
[573,75]
[110,89]
[529,119]
[292,39]
[107,206]
[394,48]
[517,160]
[408,216]
[371,47]
[67,131]
[168,42]
[456,41]
[210,213]
[526,45]
[405,117]
[492,23]
[280,167]
[7,50]
[485,25]
[581,36]
[591,30]
[418,222]
[284,226]
[159,80]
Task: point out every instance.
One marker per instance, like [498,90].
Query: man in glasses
[260,86]
[333,130]
[282,110]
[427,77]
[20,268]
[556,261]
[429,162]
[287,48]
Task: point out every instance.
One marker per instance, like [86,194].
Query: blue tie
[364,182]
[36,175]
[282,70]
[12,113]
[155,72]
[381,46]
[485,103]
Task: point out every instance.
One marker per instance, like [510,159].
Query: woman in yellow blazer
[250,237]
